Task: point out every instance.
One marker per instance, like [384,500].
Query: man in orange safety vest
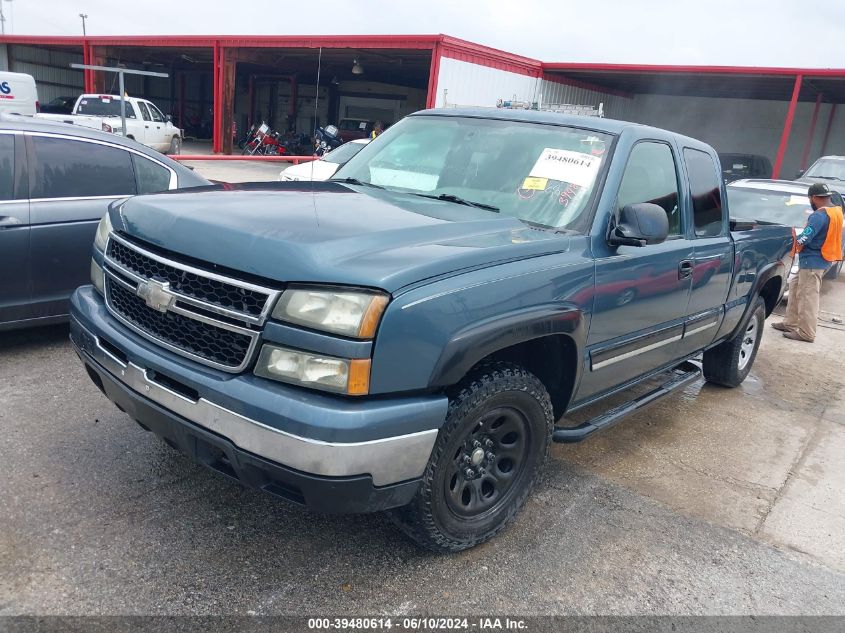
[819,245]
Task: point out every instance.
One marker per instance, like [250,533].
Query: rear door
[14,229]
[713,250]
[72,182]
[641,293]
[159,127]
[149,135]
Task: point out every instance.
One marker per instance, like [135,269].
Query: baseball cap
[819,189]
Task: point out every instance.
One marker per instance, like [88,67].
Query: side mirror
[800,173]
[168,118]
[639,225]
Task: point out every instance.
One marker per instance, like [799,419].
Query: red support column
[433,72]
[217,102]
[809,142]
[787,127]
[827,129]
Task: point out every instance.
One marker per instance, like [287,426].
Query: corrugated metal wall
[615,107]
[461,83]
[51,69]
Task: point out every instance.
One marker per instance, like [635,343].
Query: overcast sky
[797,33]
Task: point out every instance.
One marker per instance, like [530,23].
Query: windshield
[340,155]
[827,169]
[103,106]
[540,174]
[771,206]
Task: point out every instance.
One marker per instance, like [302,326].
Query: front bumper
[183,404]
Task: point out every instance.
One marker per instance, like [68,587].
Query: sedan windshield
[827,169]
[770,206]
[541,174]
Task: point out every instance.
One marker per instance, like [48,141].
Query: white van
[18,94]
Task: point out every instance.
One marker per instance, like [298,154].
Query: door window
[650,176]
[157,116]
[152,177]
[7,166]
[706,191]
[64,168]
[144,112]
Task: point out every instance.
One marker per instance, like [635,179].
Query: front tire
[484,462]
[175,146]
[729,363]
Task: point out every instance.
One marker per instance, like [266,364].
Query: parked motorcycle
[326,139]
[264,142]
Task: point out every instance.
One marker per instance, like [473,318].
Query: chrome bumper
[387,461]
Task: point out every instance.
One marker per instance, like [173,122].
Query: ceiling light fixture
[357,68]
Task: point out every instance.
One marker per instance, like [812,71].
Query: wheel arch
[545,340]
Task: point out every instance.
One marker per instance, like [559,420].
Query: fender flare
[472,344]
[767,273]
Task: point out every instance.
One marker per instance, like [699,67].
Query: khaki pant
[802,310]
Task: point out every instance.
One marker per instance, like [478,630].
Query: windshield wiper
[448,197]
[824,177]
[353,181]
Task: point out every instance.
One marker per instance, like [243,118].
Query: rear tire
[729,363]
[498,427]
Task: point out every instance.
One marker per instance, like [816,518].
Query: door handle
[8,220]
[685,269]
[147,126]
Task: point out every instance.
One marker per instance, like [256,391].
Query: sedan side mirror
[639,225]
[800,173]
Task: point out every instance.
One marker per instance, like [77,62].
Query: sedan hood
[329,233]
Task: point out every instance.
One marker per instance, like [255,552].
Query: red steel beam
[433,73]
[724,70]
[267,159]
[827,129]
[217,102]
[806,154]
[787,127]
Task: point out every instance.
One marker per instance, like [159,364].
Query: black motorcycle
[326,139]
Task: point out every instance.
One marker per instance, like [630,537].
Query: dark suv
[56,182]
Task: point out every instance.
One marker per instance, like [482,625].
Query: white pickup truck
[144,121]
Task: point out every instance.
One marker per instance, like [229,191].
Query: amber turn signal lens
[359,377]
[372,316]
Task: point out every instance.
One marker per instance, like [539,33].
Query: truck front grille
[192,284]
[211,319]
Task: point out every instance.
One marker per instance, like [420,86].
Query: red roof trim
[723,70]
[491,57]
[278,41]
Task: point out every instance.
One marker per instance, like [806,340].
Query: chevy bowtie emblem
[156,294]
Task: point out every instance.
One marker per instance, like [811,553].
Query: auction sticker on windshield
[566,166]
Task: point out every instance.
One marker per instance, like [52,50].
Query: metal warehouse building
[789,115]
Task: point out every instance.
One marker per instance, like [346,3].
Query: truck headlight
[349,313]
[97,277]
[340,375]
[103,230]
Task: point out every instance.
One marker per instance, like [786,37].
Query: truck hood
[329,232]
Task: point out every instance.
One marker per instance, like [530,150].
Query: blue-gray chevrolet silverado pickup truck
[405,336]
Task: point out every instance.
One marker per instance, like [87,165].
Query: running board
[682,375]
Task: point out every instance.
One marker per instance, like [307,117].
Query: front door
[14,230]
[641,293]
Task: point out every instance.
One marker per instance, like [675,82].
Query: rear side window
[64,168]
[650,176]
[7,166]
[705,188]
[152,177]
